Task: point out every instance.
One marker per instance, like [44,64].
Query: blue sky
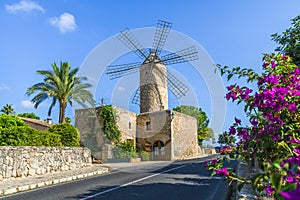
[34,34]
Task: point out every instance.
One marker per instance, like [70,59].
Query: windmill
[155,79]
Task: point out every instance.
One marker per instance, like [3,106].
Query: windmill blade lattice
[117,71]
[132,43]
[136,97]
[178,88]
[185,55]
[160,36]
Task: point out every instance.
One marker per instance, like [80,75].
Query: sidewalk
[28,183]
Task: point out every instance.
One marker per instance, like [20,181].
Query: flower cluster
[273,136]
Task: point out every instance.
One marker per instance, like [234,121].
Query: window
[129,125]
[148,126]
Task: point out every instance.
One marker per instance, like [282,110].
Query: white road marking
[133,182]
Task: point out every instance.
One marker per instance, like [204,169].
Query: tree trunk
[62,111]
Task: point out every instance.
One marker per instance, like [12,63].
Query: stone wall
[184,136]
[158,129]
[126,123]
[92,136]
[23,161]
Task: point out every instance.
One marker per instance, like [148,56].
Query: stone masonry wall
[23,161]
[87,122]
[185,141]
[159,130]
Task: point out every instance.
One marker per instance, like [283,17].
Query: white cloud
[25,6]
[4,87]
[65,22]
[26,104]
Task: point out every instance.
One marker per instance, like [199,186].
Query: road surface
[161,180]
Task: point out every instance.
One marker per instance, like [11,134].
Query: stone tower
[153,85]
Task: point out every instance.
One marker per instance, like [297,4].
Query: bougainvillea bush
[272,135]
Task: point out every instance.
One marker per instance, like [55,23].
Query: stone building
[164,134]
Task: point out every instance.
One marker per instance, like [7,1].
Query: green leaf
[289,187]
[276,181]
[229,77]
[255,179]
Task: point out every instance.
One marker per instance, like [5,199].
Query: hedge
[15,132]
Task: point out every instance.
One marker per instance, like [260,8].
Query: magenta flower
[232,131]
[254,122]
[222,172]
[273,64]
[297,151]
[294,140]
[275,137]
[265,64]
[292,195]
[292,107]
[269,190]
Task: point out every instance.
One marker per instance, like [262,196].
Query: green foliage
[68,133]
[289,41]
[108,117]
[125,150]
[7,121]
[68,120]
[14,132]
[8,109]
[145,156]
[204,133]
[108,124]
[226,139]
[63,86]
[29,115]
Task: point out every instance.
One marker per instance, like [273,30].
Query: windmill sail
[155,79]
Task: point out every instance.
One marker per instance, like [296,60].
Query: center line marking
[132,182]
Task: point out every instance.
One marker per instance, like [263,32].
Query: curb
[41,184]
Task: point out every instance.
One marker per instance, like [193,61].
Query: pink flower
[292,107]
[292,195]
[222,172]
[232,131]
[269,190]
[254,122]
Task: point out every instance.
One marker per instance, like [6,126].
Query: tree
[62,85]
[204,133]
[289,41]
[8,109]
[226,139]
[29,115]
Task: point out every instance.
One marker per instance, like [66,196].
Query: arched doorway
[158,150]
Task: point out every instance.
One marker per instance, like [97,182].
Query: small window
[148,126]
[129,125]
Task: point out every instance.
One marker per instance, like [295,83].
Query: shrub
[27,136]
[68,133]
[145,156]
[125,150]
[29,115]
[7,121]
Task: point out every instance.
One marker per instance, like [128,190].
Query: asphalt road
[171,180]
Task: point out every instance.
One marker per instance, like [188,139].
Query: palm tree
[62,85]
[8,109]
